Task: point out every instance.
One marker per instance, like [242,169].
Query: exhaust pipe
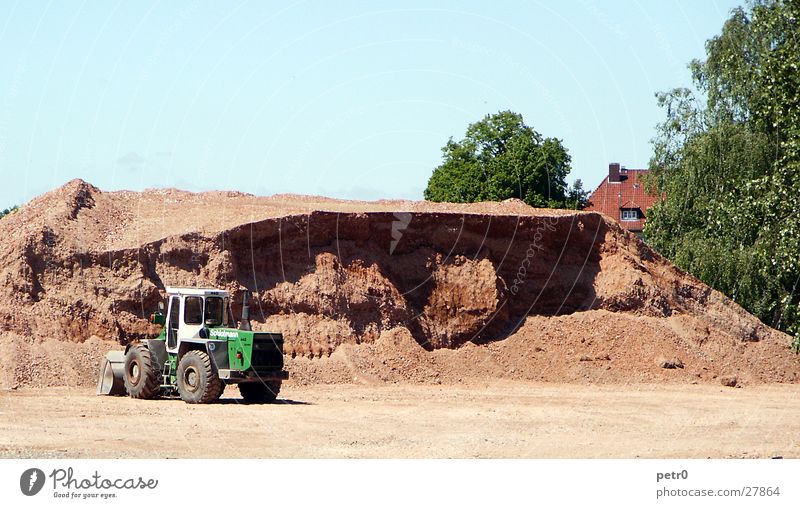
[244,323]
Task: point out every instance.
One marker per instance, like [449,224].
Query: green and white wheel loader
[199,351]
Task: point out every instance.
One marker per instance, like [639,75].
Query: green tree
[728,158]
[577,198]
[500,158]
[7,211]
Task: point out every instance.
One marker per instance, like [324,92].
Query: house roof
[611,197]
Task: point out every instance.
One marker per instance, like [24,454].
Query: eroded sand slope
[380,291]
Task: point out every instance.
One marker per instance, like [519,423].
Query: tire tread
[214,386]
[151,386]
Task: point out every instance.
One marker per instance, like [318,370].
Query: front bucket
[112,372]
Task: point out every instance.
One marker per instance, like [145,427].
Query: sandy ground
[497,419]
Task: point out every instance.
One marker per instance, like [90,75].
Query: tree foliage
[7,211]
[728,158]
[500,158]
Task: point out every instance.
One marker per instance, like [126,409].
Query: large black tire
[260,392]
[197,381]
[141,373]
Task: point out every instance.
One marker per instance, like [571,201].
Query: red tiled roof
[611,197]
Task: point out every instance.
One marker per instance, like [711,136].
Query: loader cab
[190,310]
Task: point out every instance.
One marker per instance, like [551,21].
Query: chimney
[613,172]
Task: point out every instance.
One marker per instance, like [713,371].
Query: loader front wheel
[141,373]
[197,381]
[260,392]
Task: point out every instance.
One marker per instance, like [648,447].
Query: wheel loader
[200,350]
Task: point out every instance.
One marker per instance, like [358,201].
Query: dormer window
[630,214]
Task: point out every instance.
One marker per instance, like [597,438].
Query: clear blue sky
[348,99]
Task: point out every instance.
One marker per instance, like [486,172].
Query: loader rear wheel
[141,373]
[260,392]
[197,381]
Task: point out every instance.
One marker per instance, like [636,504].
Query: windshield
[215,311]
[193,310]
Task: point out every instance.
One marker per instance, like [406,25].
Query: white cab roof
[196,291]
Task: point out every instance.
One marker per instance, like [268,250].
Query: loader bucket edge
[112,371]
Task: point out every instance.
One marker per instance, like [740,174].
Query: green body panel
[240,346]
[244,345]
[240,350]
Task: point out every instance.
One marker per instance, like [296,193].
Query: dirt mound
[388,290]
[28,361]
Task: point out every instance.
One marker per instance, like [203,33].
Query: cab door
[193,318]
[173,322]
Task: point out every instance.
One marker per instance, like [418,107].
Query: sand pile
[384,291]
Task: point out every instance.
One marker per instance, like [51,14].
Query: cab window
[193,310]
[215,311]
